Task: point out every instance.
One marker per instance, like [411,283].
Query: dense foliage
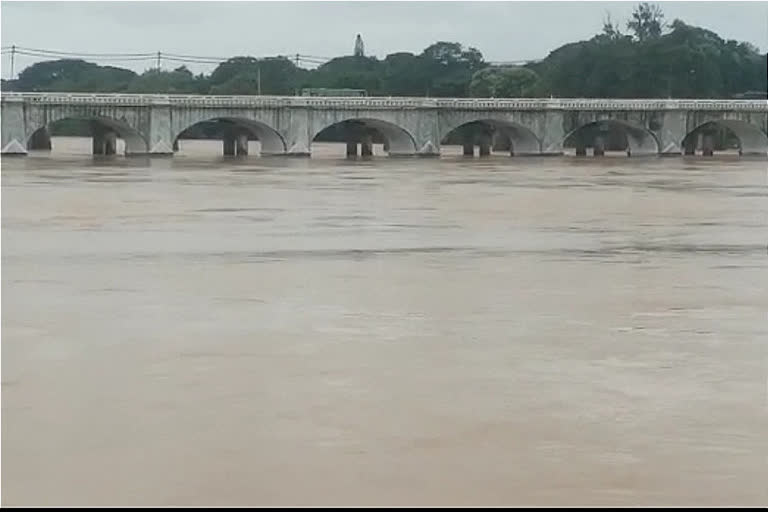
[653,60]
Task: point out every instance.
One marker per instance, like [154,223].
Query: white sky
[502,31]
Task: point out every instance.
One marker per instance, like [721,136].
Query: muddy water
[541,331]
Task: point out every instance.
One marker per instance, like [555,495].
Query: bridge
[151,124]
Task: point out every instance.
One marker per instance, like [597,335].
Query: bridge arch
[398,140]
[630,137]
[272,142]
[750,138]
[513,137]
[135,143]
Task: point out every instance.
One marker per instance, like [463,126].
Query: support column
[386,145]
[40,140]
[469,145]
[13,121]
[175,145]
[690,146]
[366,146]
[598,146]
[501,142]
[104,140]
[110,143]
[241,144]
[485,144]
[229,144]
[160,135]
[351,149]
[708,145]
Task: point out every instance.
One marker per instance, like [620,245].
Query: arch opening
[108,137]
[727,136]
[373,136]
[492,136]
[239,136]
[599,137]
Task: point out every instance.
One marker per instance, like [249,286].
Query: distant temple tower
[359,47]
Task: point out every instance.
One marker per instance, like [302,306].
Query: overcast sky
[502,31]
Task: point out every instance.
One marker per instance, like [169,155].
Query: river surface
[277,331]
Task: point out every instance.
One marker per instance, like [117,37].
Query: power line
[85,54]
[111,59]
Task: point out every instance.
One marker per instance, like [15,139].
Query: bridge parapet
[202,101]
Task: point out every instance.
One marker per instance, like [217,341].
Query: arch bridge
[151,124]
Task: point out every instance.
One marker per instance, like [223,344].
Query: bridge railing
[200,101]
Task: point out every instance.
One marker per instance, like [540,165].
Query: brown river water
[501,331]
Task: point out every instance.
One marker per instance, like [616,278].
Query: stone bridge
[151,124]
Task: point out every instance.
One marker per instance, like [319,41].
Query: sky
[502,31]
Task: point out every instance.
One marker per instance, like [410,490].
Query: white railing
[379,103]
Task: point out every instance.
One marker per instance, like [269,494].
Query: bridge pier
[175,145]
[40,140]
[598,146]
[501,142]
[690,147]
[484,144]
[229,145]
[366,146]
[351,149]
[104,141]
[708,145]
[468,147]
[241,144]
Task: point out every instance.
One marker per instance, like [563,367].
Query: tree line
[651,60]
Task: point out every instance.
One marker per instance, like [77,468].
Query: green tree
[73,75]
[248,75]
[350,72]
[647,21]
[447,68]
[504,82]
[178,81]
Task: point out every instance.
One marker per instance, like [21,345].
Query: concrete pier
[708,145]
[229,145]
[241,144]
[40,140]
[351,149]
[598,146]
[104,142]
[501,142]
[485,144]
[366,146]
[468,147]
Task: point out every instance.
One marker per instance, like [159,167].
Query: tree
[611,31]
[647,21]
[504,82]
[178,81]
[447,68]
[73,75]
[249,75]
[403,75]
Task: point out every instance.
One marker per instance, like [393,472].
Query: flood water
[277,331]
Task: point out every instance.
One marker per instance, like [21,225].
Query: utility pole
[297,60]
[158,61]
[13,57]
[258,79]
